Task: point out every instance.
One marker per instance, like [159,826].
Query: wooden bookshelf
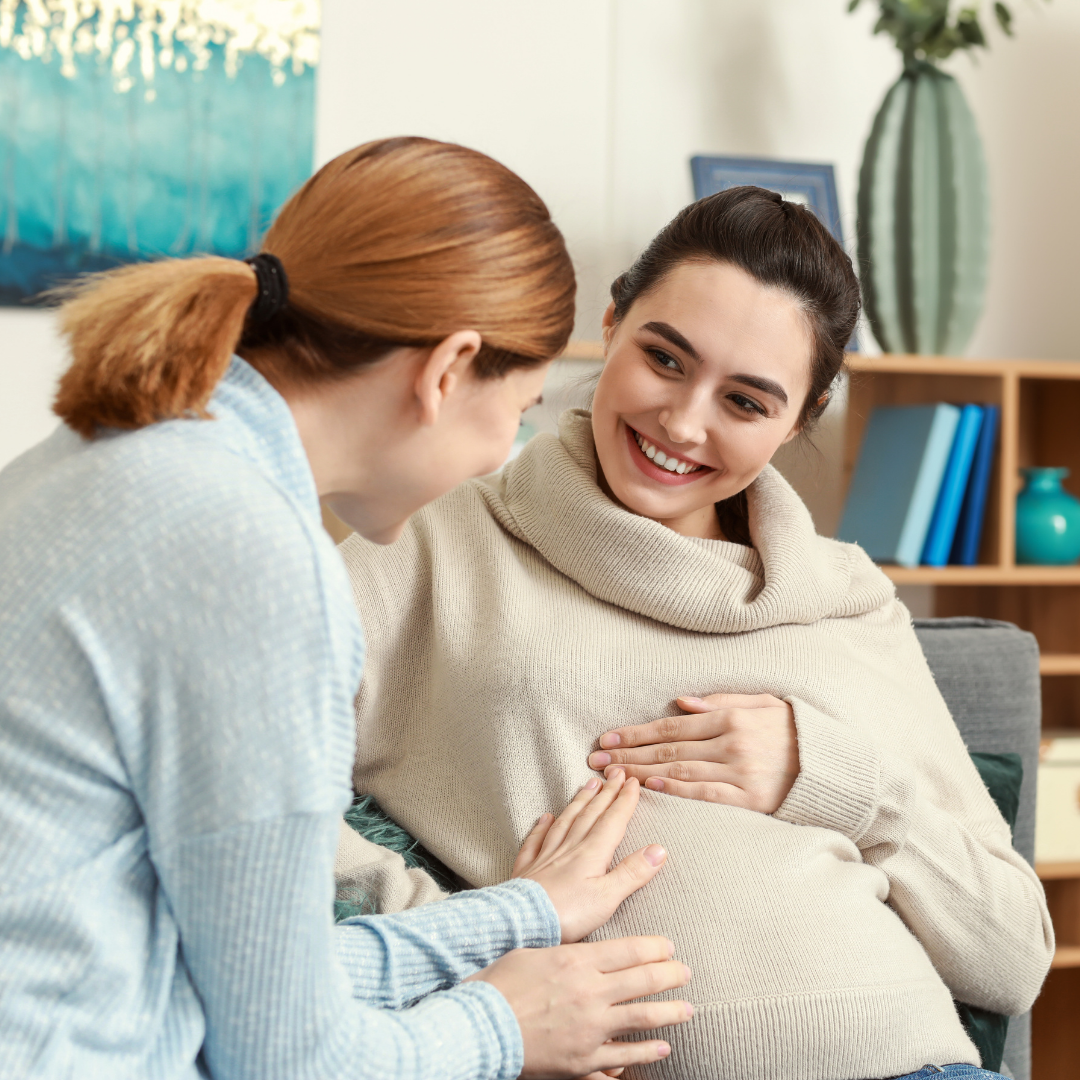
[1040,407]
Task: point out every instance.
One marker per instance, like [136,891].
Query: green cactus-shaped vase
[923,217]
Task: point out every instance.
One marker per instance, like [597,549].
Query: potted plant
[923,205]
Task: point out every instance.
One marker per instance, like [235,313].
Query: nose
[685,419]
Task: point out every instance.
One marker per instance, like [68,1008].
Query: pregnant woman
[839,873]
[179,656]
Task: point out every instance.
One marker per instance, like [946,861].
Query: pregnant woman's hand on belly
[738,749]
[570,856]
[570,1002]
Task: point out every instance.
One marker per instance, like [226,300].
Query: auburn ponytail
[400,242]
[150,341]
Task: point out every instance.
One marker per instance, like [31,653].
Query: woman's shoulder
[145,506]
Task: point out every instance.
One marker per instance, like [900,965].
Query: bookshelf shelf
[1066,956]
[984,575]
[1057,871]
[1039,402]
[1060,664]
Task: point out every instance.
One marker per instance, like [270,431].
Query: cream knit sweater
[524,614]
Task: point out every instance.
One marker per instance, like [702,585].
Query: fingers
[647,1015]
[601,807]
[728,701]
[634,871]
[643,980]
[533,842]
[604,834]
[665,730]
[561,825]
[621,953]
[706,749]
[634,1053]
[707,791]
[691,771]
[670,728]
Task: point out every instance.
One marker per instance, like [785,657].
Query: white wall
[599,104]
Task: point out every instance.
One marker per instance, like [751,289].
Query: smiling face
[704,378]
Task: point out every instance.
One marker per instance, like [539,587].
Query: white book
[1057,809]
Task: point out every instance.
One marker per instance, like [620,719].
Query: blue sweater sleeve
[253,906]
[394,960]
[242,755]
[178,655]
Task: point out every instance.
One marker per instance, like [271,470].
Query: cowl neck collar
[549,498]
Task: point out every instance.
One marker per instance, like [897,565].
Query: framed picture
[808,183]
[132,131]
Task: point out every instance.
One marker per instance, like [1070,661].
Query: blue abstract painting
[136,129]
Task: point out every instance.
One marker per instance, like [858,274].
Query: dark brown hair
[780,244]
[776,242]
[399,242]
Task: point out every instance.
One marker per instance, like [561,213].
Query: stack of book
[919,491]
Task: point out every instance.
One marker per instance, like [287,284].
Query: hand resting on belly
[738,749]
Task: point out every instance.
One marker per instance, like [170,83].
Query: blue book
[895,486]
[965,550]
[954,482]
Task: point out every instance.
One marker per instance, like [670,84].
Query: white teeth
[658,457]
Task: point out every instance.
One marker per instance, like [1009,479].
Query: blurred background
[599,104]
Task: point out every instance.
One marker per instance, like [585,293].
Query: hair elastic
[273,284]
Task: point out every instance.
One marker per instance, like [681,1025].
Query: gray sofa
[988,673]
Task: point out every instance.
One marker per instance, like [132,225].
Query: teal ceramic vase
[924,220]
[1047,520]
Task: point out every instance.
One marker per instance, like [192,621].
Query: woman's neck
[702,523]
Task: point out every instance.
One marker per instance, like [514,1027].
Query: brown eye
[665,360]
[746,405]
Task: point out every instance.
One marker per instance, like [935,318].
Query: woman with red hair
[179,654]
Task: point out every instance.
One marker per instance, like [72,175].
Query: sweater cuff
[447,1019]
[537,920]
[839,776]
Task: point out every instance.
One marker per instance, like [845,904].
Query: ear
[442,372]
[797,429]
[607,324]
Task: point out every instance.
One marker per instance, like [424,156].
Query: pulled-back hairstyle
[400,242]
[779,244]
[776,242]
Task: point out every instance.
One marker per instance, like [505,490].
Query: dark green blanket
[369,819]
[1002,774]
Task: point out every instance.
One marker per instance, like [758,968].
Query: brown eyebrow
[766,386]
[669,333]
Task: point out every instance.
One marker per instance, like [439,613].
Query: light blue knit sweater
[178,656]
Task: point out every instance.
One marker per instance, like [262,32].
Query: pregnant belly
[800,969]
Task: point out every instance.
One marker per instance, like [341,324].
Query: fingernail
[694,700]
[655,854]
[610,739]
[689,973]
[592,785]
[655,783]
[689,1009]
[663,1050]
[671,949]
[599,760]
[613,772]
